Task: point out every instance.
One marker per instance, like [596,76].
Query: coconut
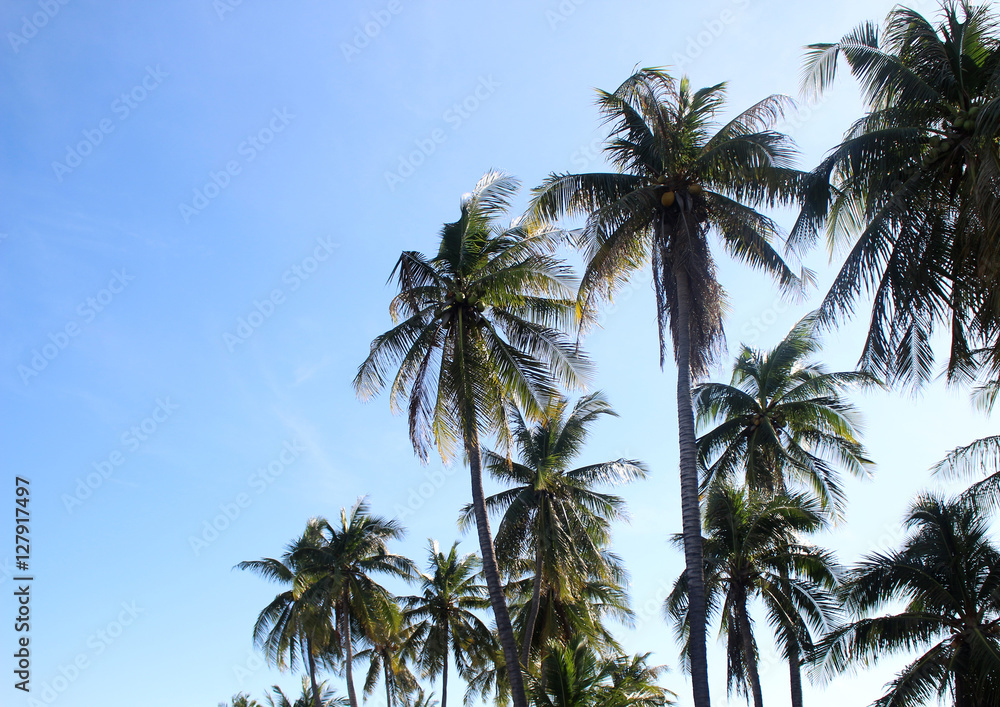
[970,125]
[668,198]
[480,306]
[694,189]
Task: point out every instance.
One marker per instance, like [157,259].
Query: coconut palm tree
[676,183]
[575,675]
[292,628]
[981,457]
[311,695]
[479,334]
[912,188]
[242,699]
[947,572]
[335,574]
[552,513]
[390,647]
[752,550]
[444,621]
[782,423]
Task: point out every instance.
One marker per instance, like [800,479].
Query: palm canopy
[553,512]
[912,188]
[947,572]
[753,549]
[336,575]
[444,619]
[783,420]
[575,675]
[324,697]
[979,458]
[478,325]
[680,176]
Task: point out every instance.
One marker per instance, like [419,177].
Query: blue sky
[202,203]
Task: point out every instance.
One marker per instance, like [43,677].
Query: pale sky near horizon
[202,202]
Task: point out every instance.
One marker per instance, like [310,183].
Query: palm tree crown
[912,188]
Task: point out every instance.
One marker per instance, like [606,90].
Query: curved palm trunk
[749,657]
[690,508]
[312,672]
[345,632]
[536,600]
[490,569]
[388,683]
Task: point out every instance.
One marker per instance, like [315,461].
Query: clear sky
[202,201]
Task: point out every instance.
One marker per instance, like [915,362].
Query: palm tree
[291,628]
[948,574]
[318,695]
[241,699]
[335,575]
[677,182]
[752,550]
[981,457]
[480,334]
[551,513]
[913,187]
[575,675]
[390,646]
[781,422]
[443,615]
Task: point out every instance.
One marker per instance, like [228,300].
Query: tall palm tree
[752,550]
[335,574]
[444,618]
[390,647]
[947,572]
[480,334]
[552,513]
[912,188]
[677,183]
[783,422]
[575,675]
[292,628]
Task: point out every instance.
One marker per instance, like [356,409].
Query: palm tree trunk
[312,672]
[345,632]
[388,684]
[792,647]
[690,507]
[749,655]
[490,569]
[444,672]
[536,600]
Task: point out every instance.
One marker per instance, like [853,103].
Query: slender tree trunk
[388,692]
[444,671]
[345,632]
[792,646]
[690,507]
[490,569]
[491,572]
[536,600]
[312,672]
[749,655]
